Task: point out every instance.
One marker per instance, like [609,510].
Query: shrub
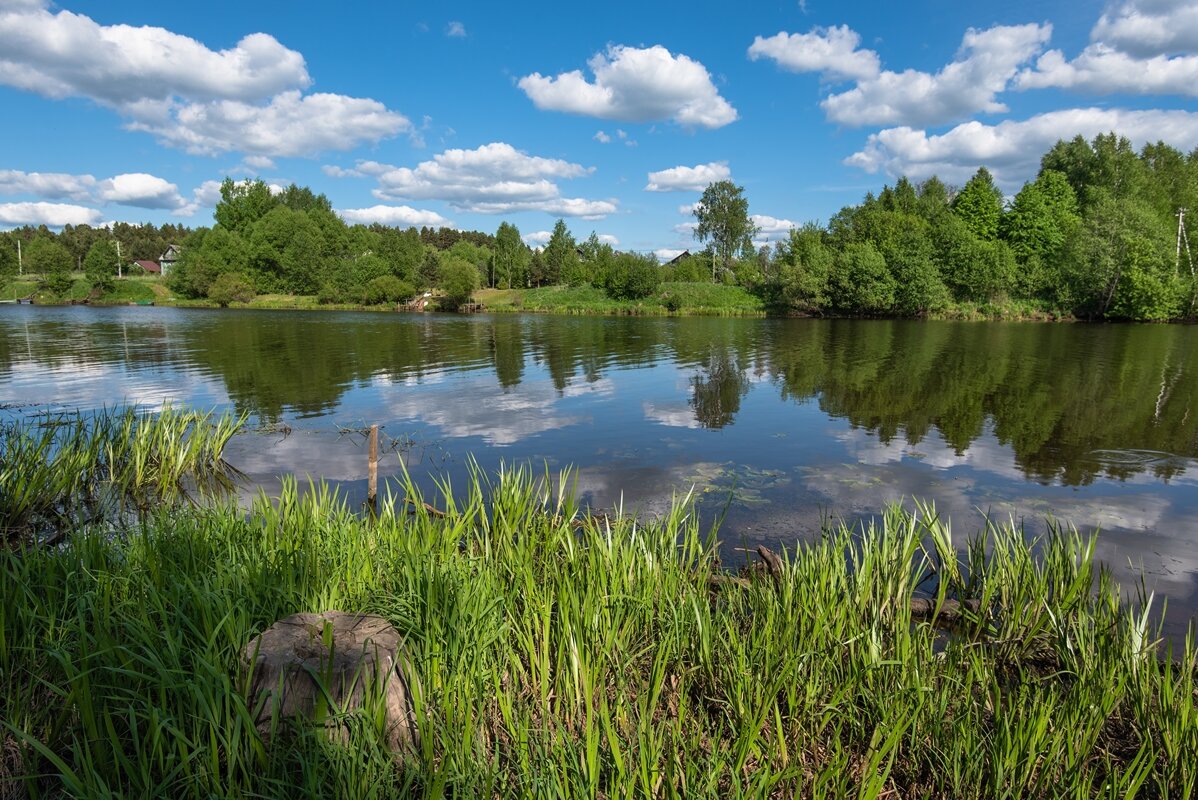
[232,287]
[387,289]
[328,294]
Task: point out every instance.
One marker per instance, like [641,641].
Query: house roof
[148,266]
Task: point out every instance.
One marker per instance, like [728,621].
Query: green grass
[566,655]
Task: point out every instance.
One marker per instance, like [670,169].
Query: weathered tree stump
[320,667]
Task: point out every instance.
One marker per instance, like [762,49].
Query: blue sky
[613,118]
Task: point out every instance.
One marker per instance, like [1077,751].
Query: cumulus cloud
[247,98]
[601,137]
[1147,28]
[1011,149]
[1100,69]
[495,178]
[53,215]
[771,229]
[1137,47]
[51,185]
[635,84]
[688,179]
[455,30]
[399,216]
[291,124]
[986,63]
[537,238]
[141,190]
[607,238]
[665,253]
[137,189]
[70,55]
[831,51]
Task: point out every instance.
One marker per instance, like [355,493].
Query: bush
[387,289]
[232,287]
[328,294]
[633,277]
[459,279]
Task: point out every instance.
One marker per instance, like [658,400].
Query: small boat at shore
[25,301]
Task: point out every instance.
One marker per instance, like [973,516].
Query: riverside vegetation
[562,652]
[1095,235]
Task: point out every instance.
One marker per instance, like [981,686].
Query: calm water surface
[784,422]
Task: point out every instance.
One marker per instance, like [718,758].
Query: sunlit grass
[564,654]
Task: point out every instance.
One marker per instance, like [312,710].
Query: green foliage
[805,265]
[231,287]
[979,205]
[459,279]
[208,254]
[100,264]
[511,257]
[561,264]
[632,276]
[861,281]
[243,204]
[8,260]
[387,289]
[723,216]
[46,257]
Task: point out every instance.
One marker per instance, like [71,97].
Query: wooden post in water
[372,470]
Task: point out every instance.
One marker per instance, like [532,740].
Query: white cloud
[537,238]
[1137,47]
[601,137]
[247,98]
[1100,69]
[455,29]
[1011,149]
[686,228]
[771,229]
[53,215]
[131,189]
[495,178]
[831,51]
[607,238]
[666,253]
[688,209]
[986,63]
[635,84]
[291,124]
[69,55]
[688,179]
[141,190]
[52,185]
[1147,28]
[399,216]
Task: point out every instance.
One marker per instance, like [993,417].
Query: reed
[59,471]
[564,654]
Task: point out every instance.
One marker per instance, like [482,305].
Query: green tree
[632,277]
[8,260]
[52,261]
[980,205]
[459,279]
[723,216]
[561,255]
[804,266]
[231,287]
[861,281]
[100,265]
[243,204]
[387,289]
[511,257]
[1041,219]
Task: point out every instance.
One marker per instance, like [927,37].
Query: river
[779,423]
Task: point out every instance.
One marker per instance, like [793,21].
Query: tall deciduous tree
[100,264]
[511,256]
[561,254]
[243,204]
[980,205]
[723,216]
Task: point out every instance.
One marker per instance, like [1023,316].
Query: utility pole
[20,261]
[1182,238]
[118,258]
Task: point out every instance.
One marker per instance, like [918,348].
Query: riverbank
[672,299]
[566,653]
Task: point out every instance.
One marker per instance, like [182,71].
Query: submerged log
[321,667]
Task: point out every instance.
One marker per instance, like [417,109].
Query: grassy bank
[672,298]
[563,654]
